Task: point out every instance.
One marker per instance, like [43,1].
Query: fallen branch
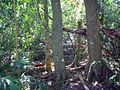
[83,82]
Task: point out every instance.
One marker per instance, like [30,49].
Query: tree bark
[15,28]
[94,44]
[57,39]
[47,43]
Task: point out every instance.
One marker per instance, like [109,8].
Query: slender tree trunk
[94,44]
[78,57]
[15,28]
[46,26]
[57,39]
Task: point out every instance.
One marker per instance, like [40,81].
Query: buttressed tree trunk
[94,44]
[57,39]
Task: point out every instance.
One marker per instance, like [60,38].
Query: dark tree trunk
[94,44]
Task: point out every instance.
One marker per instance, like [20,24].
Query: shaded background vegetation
[23,40]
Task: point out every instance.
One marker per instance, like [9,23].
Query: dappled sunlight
[59,45]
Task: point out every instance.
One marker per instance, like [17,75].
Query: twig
[48,15]
[83,82]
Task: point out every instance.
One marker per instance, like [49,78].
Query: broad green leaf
[12,82]
[12,85]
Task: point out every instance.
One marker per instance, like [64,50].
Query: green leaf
[12,85]
[26,17]
[109,2]
[12,82]
[21,62]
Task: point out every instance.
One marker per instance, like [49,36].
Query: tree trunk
[47,43]
[57,39]
[94,44]
[78,49]
[15,28]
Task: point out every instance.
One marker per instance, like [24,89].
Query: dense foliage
[23,43]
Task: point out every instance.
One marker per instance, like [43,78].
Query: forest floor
[75,76]
[75,79]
